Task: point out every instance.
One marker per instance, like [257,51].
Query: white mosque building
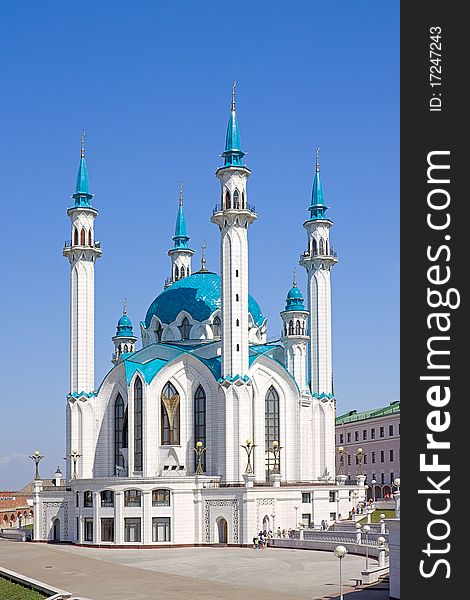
[207,433]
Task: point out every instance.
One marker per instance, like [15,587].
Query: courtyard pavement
[176,573]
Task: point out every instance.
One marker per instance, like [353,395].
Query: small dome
[294,300]
[124,327]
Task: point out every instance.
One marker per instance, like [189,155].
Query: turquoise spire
[82,196]
[124,326]
[233,155]
[317,207]
[180,238]
[294,300]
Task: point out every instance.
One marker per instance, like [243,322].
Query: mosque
[207,433]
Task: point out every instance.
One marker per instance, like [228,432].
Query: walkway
[172,574]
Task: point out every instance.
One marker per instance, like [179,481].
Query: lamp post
[396,494]
[199,450]
[341,453]
[373,484]
[249,449]
[296,508]
[273,517]
[276,450]
[340,552]
[74,455]
[358,533]
[382,523]
[381,544]
[37,459]
[366,530]
[360,458]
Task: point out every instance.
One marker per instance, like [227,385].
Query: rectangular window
[365,458]
[382,432]
[382,478]
[161,529]
[390,430]
[107,530]
[332,516]
[364,434]
[332,496]
[77,499]
[160,498]
[372,434]
[107,498]
[349,436]
[77,525]
[132,498]
[132,530]
[306,498]
[373,457]
[88,529]
[341,438]
[382,456]
[392,477]
[356,436]
[391,455]
[349,460]
[398,428]
[88,499]
[306,519]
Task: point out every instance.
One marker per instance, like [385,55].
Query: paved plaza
[178,573]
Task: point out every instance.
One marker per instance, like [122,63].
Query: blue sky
[151,83]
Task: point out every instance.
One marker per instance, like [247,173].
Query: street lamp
[199,450]
[74,455]
[366,530]
[341,453]
[359,457]
[381,545]
[340,552]
[37,459]
[296,516]
[249,449]
[373,484]
[276,450]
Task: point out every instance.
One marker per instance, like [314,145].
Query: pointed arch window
[227,199]
[291,327]
[170,415]
[200,423]
[185,328]
[159,333]
[236,199]
[89,237]
[271,426]
[119,432]
[138,425]
[297,327]
[183,272]
[177,273]
[314,247]
[75,236]
[216,327]
[243,200]
[82,237]
[322,249]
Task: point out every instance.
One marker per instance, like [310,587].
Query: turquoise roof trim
[199,295]
[82,196]
[82,394]
[124,327]
[317,206]
[233,154]
[180,238]
[294,300]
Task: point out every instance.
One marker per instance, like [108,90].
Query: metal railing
[307,254]
[220,206]
[68,244]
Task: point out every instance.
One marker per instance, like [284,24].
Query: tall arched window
[185,328]
[183,272]
[236,199]
[243,200]
[89,237]
[321,247]
[216,327]
[75,236]
[271,426]
[177,273]
[118,431]
[291,327]
[82,237]
[297,327]
[227,199]
[314,247]
[326,247]
[200,423]
[138,425]
[159,332]
[170,421]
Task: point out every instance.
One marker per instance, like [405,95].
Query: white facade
[204,375]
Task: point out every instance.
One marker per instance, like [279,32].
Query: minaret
[318,260]
[124,340]
[294,336]
[180,254]
[82,252]
[233,216]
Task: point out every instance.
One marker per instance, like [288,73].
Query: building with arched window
[202,431]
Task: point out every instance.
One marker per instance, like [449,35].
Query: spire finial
[294,283]
[203,256]
[233,94]
[124,310]
[83,144]
[181,193]
[317,164]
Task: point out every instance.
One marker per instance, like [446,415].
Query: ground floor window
[132,530]
[88,529]
[332,516]
[306,519]
[78,528]
[107,530]
[161,529]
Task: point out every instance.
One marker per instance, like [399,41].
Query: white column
[147,517]
[118,517]
[96,520]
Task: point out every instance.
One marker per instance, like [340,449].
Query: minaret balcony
[237,206]
[95,245]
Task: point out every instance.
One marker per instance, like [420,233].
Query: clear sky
[151,82]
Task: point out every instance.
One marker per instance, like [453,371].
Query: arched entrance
[222,530]
[266,522]
[56,530]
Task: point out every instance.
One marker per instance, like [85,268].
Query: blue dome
[294,300]
[124,327]
[295,293]
[199,295]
